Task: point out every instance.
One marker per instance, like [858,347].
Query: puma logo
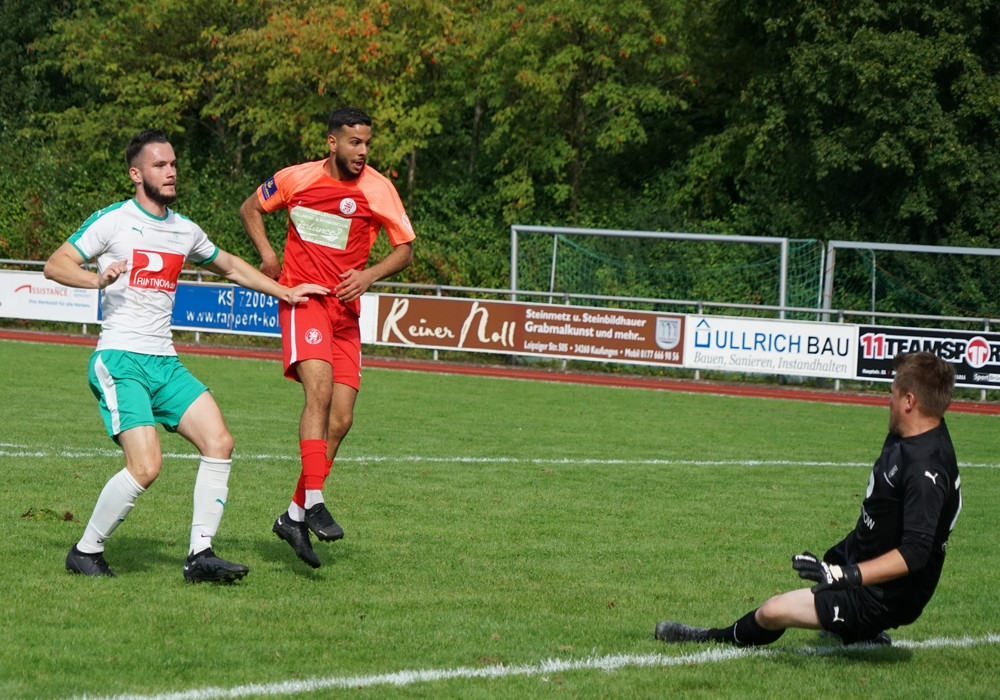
[836,614]
[932,477]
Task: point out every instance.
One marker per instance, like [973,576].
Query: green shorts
[135,390]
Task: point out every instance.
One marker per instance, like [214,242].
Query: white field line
[14,450]
[544,669]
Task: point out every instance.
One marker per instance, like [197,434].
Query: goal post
[899,279]
[657,265]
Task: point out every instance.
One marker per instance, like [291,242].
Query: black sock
[746,632]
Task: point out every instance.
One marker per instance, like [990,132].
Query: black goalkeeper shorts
[858,614]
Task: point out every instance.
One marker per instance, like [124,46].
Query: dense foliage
[861,119]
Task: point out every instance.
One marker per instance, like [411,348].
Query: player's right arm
[252,216]
[65,267]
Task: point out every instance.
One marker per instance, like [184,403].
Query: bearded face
[157,194]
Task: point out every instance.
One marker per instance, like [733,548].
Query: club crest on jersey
[348,206]
[313,336]
[155,270]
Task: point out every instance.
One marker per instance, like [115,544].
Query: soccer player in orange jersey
[336,208]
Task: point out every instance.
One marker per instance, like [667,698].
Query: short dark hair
[347,116]
[927,377]
[140,140]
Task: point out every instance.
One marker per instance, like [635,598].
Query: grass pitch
[504,539]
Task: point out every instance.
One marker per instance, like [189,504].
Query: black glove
[828,575]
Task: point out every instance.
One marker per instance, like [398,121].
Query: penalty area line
[614,662]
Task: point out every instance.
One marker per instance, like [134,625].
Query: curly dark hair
[347,116]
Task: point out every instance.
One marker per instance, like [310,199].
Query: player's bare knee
[340,425]
[144,471]
[770,615]
[319,396]
[219,445]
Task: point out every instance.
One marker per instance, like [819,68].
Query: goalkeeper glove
[828,575]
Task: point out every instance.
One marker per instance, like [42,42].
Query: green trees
[868,120]
[864,119]
[568,85]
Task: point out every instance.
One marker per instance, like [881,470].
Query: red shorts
[322,328]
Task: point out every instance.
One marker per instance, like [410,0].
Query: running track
[594,378]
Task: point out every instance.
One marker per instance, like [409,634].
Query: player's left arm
[354,283]
[241,272]
[885,567]
[391,216]
[925,490]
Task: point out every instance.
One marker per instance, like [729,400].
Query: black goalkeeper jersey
[912,502]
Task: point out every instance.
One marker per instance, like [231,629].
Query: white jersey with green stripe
[138,307]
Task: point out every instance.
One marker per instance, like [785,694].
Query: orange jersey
[332,224]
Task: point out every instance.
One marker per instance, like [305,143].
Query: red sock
[315,467]
[299,498]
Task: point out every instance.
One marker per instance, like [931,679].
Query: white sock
[313,496]
[116,500]
[296,512]
[210,493]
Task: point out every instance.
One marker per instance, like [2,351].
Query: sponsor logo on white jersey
[155,270]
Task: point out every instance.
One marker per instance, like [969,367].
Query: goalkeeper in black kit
[885,571]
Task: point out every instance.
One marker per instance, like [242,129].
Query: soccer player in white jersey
[140,246]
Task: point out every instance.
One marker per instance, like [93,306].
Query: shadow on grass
[854,653]
[276,550]
[127,554]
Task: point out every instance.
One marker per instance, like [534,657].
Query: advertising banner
[29,295]
[976,356]
[224,308]
[737,344]
[547,330]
